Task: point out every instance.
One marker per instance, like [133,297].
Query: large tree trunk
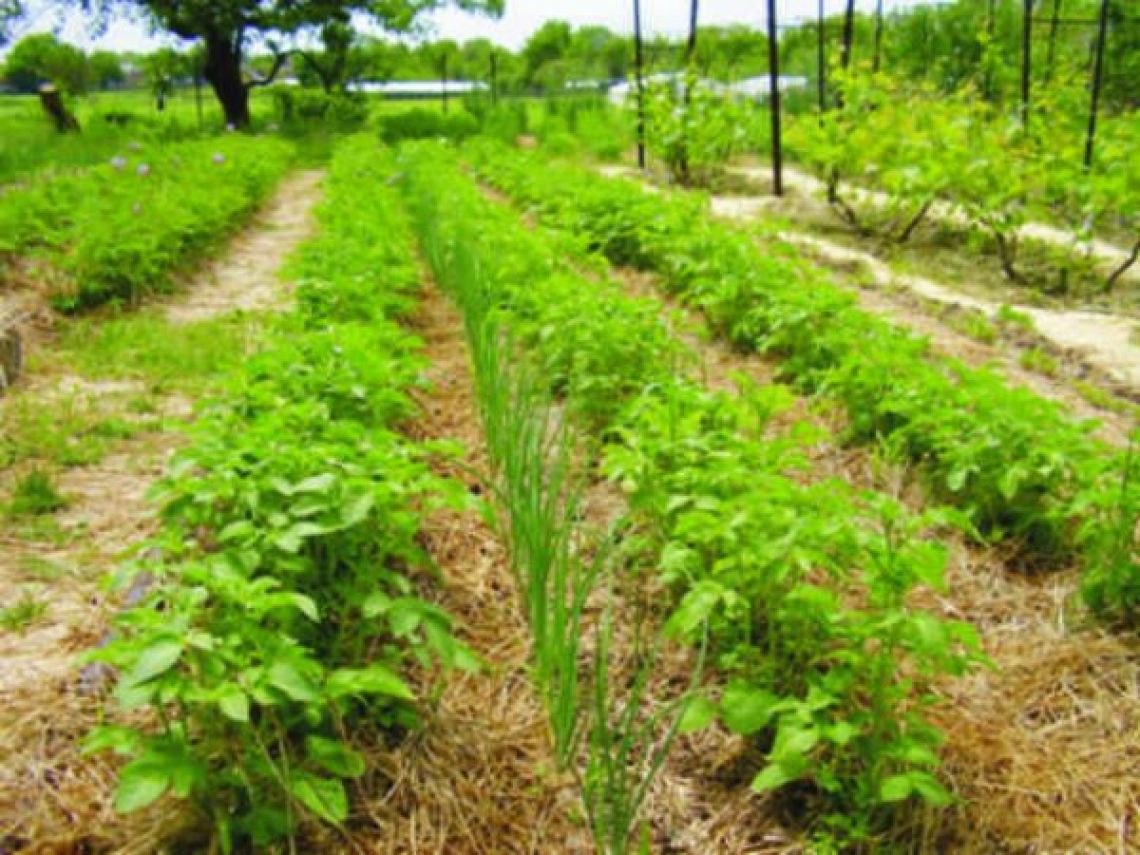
[223,71]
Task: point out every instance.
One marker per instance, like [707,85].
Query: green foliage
[286,613]
[920,149]
[419,123]
[802,591]
[36,494]
[42,58]
[1020,467]
[805,590]
[341,109]
[118,232]
[23,613]
[696,136]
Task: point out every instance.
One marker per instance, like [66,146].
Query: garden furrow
[479,780]
[118,393]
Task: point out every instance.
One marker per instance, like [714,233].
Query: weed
[23,613]
[1036,359]
[36,494]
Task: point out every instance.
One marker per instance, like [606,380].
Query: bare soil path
[51,798]
[1104,252]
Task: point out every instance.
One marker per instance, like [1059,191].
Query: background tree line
[967,42]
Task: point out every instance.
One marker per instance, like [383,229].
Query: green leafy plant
[36,494]
[288,610]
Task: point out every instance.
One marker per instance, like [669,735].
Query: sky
[521,18]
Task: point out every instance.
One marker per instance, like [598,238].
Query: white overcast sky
[521,18]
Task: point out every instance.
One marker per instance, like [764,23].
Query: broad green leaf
[698,714]
[771,777]
[141,783]
[376,604]
[157,658]
[284,676]
[334,756]
[896,788]
[373,680]
[323,796]
[746,711]
[234,703]
[931,789]
[316,484]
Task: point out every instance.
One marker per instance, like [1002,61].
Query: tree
[105,69]
[228,27]
[545,54]
[42,58]
[341,59]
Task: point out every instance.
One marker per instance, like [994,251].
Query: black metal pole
[846,46]
[877,58]
[494,78]
[690,53]
[1098,74]
[991,27]
[774,99]
[639,79]
[1054,25]
[821,59]
[1026,61]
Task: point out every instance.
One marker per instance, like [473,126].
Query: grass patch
[145,346]
[23,613]
[1035,359]
[973,325]
[1009,316]
[36,494]
[66,431]
[36,568]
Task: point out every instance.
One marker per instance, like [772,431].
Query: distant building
[416,89]
[754,88]
[760,88]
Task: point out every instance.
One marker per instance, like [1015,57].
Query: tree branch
[279,60]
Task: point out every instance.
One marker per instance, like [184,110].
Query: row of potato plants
[1021,468]
[120,230]
[284,615]
[922,150]
[802,589]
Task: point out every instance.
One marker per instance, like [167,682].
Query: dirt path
[478,780]
[1108,254]
[1104,340]
[49,795]
[245,277]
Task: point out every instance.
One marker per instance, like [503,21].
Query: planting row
[802,590]
[1021,467]
[283,617]
[118,231]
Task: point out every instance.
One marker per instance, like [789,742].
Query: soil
[245,278]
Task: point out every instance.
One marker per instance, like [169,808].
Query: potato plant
[120,230]
[1021,467]
[288,606]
